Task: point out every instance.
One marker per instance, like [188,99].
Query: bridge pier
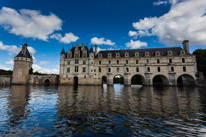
[127,79]
[148,79]
[172,80]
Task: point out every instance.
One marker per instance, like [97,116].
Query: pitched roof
[152,51]
[26,54]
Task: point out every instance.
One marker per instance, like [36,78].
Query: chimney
[185,44]
[76,45]
[95,49]
[82,46]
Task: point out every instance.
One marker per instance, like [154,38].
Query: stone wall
[43,79]
[5,80]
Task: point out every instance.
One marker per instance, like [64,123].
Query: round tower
[22,64]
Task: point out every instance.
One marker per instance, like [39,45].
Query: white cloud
[44,62]
[132,33]
[185,20]
[13,49]
[10,62]
[135,44]
[101,41]
[44,70]
[68,37]
[29,23]
[4,67]
[157,3]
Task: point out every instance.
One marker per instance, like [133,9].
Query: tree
[201,60]
[5,72]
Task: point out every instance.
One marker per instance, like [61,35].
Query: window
[146,53]
[109,61]
[109,69]
[158,61]
[100,62]
[136,54]
[158,69]
[137,61]
[68,70]
[117,54]
[126,61]
[169,53]
[94,70]
[84,55]
[157,53]
[84,69]
[100,55]
[183,60]
[170,60]
[127,69]
[117,69]
[68,63]
[76,69]
[109,55]
[76,55]
[147,60]
[76,61]
[100,69]
[172,69]
[91,70]
[126,54]
[117,61]
[184,69]
[84,62]
[148,69]
[137,69]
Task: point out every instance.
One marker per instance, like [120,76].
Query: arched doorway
[137,80]
[104,80]
[160,80]
[118,79]
[186,80]
[75,81]
[47,82]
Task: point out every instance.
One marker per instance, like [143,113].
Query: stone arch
[104,80]
[118,78]
[186,80]
[75,81]
[137,80]
[47,82]
[160,80]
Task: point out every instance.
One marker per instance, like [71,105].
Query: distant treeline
[5,72]
[201,60]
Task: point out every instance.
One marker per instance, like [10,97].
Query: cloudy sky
[47,25]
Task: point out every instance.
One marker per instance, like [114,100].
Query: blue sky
[47,25]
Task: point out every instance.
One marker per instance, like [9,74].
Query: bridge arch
[137,79]
[186,80]
[47,82]
[160,80]
[118,78]
[104,80]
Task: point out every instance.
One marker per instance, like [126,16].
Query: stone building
[22,64]
[167,66]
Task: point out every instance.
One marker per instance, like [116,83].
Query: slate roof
[152,51]
[26,55]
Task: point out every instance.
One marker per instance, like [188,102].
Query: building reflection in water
[100,107]
[18,100]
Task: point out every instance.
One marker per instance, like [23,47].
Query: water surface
[102,111]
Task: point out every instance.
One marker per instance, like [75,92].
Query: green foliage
[38,73]
[201,60]
[31,71]
[5,72]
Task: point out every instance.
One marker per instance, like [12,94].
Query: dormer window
[182,52]
[117,55]
[109,55]
[147,54]
[76,55]
[136,54]
[100,55]
[157,53]
[84,55]
[126,54]
[169,53]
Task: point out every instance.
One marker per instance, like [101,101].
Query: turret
[22,64]
[185,44]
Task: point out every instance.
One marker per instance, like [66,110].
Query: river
[102,111]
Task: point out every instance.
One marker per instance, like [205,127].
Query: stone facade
[5,80]
[82,66]
[22,64]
